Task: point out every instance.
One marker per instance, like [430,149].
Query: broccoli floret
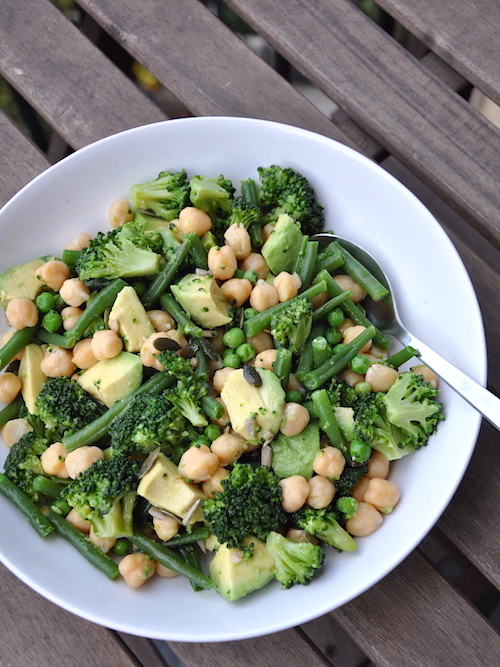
[165,196]
[323,524]
[291,326]
[342,394]
[188,390]
[121,253]
[243,213]
[373,427]
[284,190]
[23,463]
[348,480]
[213,195]
[249,505]
[411,406]
[64,406]
[147,423]
[105,495]
[295,562]
[161,236]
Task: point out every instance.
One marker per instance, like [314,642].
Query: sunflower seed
[252,376]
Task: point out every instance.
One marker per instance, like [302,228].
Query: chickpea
[164,571]
[21,313]
[295,490]
[380,377]
[74,292]
[148,351]
[345,325]
[237,290]
[350,377]
[378,466]
[263,296]
[358,493]
[298,535]
[267,230]
[14,430]
[320,299]
[345,282]
[261,341]
[353,332]
[70,316]
[5,339]
[10,386]
[365,522]
[79,460]
[219,378]
[106,344]
[194,221]
[287,285]
[57,362]
[266,359]
[53,460]
[295,418]
[228,447]
[104,544]
[119,213]
[214,484]
[83,356]
[382,494]
[80,242]
[222,262]
[329,462]
[293,383]
[136,569]
[78,522]
[198,463]
[237,237]
[165,527]
[427,374]
[53,273]
[255,262]
[321,492]
[161,320]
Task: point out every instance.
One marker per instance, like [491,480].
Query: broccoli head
[373,427]
[243,213]
[23,463]
[342,394]
[348,480]
[189,389]
[285,190]
[295,562]
[323,524]
[164,197]
[105,495]
[213,195]
[291,326]
[64,406]
[249,505]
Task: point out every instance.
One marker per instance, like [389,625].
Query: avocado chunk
[345,420]
[203,300]
[31,375]
[236,577]
[129,316]
[163,486]
[280,249]
[294,454]
[255,412]
[20,280]
[112,379]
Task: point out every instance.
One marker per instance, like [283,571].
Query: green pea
[122,547]
[363,388]
[234,337]
[293,396]
[245,352]
[360,451]
[333,336]
[52,321]
[249,313]
[212,432]
[335,317]
[360,364]
[231,360]
[45,302]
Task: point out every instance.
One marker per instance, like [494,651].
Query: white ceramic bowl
[363,203]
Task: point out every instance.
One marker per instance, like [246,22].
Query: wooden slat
[65,77]
[414,618]
[460,32]
[408,110]
[204,64]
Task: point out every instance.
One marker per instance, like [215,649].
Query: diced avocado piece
[236,577]
[255,412]
[280,249]
[31,375]
[130,317]
[294,454]
[202,298]
[112,379]
[345,420]
[163,486]
[20,280]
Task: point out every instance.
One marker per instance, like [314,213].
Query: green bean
[170,559]
[211,407]
[49,487]
[58,340]
[185,325]
[17,342]
[198,254]
[163,280]
[321,351]
[330,260]
[83,545]
[327,420]
[26,506]
[249,274]
[307,265]
[250,194]
[283,365]
[401,357]
[336,363]
[70,257]
[11,411]
[262,321]
[202,368]
[306,362]
[191,555]
[362,275]
[330,305]
[195,535]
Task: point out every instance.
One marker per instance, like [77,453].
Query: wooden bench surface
[406,114]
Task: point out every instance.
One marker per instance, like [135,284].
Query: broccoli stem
[361,275]
[317,377]
[70,257]
[163,280]
[195,535]
[170,559]
[250,194]
[321,351]
[185,325]
[262,320]
[306,264]
[99,427]
[283,365]
[11,411]
[198,254]
[25,505]
[323,310]
[306,362]
[83,545]
[323,410]
[401,357]
[20,339]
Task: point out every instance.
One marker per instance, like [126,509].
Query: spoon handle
[480,398]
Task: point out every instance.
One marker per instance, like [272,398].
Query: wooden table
[407,109]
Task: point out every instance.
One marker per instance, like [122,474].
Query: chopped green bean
[330,306]
[198,254]
[330,260]
[195,535]
[20,339]
[25,505]
[70,257]
[211,407]
[283,365]
[11,411]
[49,487]
[185,324]
[163,280]
[327,420]
[306,267]
[321,351]
[306,362]
[401,357]
[362,275]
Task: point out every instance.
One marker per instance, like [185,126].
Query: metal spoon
[384,315]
